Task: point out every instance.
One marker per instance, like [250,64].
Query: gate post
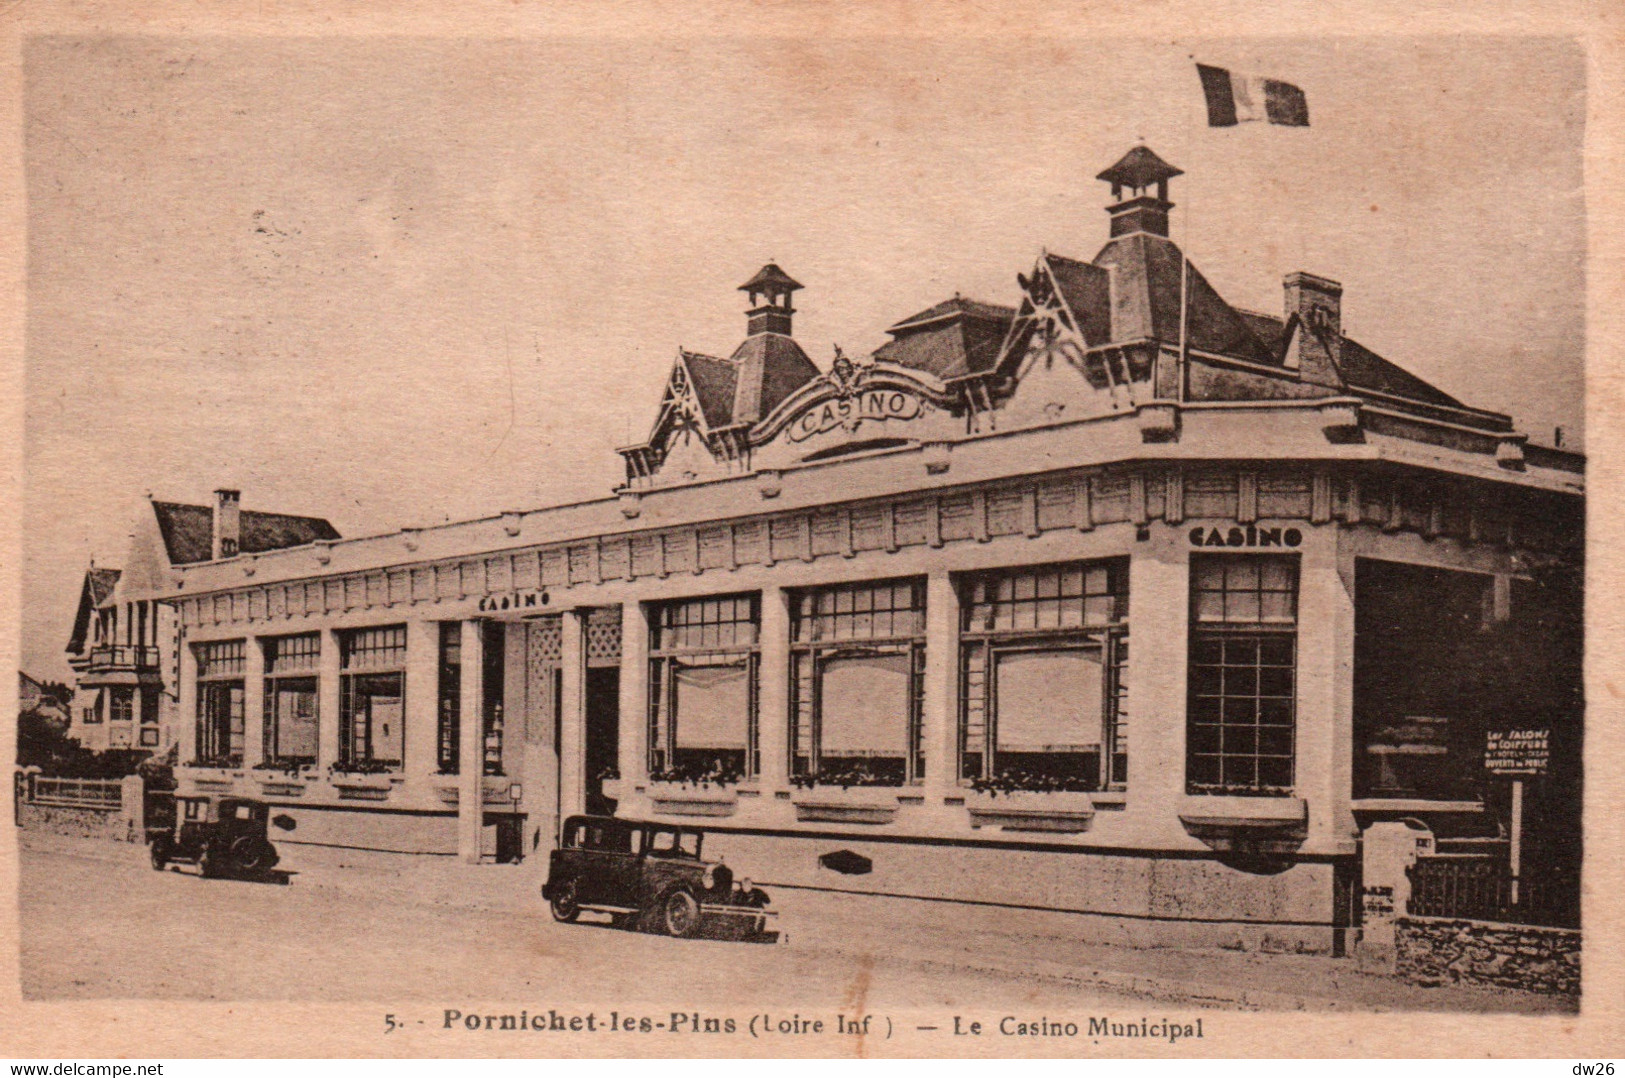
[1387,849]
[133,807]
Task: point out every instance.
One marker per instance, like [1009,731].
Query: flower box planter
[357,787]
[211,779]
[281,783]
[1227,822]
[851,804]
[1060,812]
[449,790]
[1022,810]
[683,799]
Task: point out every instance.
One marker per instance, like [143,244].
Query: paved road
[98,923]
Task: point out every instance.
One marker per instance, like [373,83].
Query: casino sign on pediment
[852,407]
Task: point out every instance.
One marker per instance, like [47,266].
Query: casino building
[1119,600]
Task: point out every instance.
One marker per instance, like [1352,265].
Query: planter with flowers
[363,780]
[213,773]
[861,791]
[707,789]
[1017,800]
[284,776]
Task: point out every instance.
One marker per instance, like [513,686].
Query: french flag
[1234,98]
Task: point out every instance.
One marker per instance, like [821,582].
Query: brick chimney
[1314,317]
[227,523]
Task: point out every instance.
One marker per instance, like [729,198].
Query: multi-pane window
[1043,699]
[291,714]
[372,699]
[220,666]
[857,675]
[448,726]
[122,707]
[1242,681]
[703,658]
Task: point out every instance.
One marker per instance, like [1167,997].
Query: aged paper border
[155,1029]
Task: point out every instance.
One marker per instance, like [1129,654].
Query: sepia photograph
[723,539]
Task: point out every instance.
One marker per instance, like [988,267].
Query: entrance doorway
[603,734]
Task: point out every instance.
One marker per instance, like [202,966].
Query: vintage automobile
[648,874]
[222,835]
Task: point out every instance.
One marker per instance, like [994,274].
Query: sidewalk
[1017,943]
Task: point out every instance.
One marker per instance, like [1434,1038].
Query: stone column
[327,703]
[633,762]
[471,744]
[773,690]
[1159,603]
[186,702]
[940,721]
[253,702]
[573,715]
[422,699]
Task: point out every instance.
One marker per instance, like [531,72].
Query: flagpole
[1184,324]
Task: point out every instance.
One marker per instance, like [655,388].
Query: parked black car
[222,835]
[650,874]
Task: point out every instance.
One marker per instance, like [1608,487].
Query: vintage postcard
[794,530]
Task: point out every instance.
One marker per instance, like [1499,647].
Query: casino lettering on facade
[1249,536]
[934,621]
[871,404]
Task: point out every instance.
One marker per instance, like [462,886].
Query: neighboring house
[124,643]
[33,696]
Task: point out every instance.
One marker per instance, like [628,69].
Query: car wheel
[251,857]
[565,903]
[160,855]
[680,914]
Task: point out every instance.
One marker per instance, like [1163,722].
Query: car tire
[565,903]
[680,913]
[251,856]
[160,855]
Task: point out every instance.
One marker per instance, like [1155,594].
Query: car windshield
[663,843]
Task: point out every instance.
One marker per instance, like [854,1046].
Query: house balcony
[120,664]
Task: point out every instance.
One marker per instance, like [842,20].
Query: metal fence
[104,794]
[1481,889]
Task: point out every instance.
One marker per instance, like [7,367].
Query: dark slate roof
[188,531]
[1361,367]
[771,367]
[1088,295]
[96,590]
[715,381]
[949,340]
[1139,168]
[770,278]
[101,583]
[1146,273]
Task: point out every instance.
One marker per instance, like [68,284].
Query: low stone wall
[107,824]
[1437,950]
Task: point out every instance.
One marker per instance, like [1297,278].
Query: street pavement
[347,925]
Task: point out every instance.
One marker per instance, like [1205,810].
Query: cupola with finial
[1140,211]
[770,309]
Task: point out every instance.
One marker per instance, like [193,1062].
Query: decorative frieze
[1020,510]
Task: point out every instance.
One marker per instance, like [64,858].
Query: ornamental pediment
[856,400]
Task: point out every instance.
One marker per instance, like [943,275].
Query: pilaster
[773,690]
[470,747]
[940,718]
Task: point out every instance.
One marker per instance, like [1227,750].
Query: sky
[399,281]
